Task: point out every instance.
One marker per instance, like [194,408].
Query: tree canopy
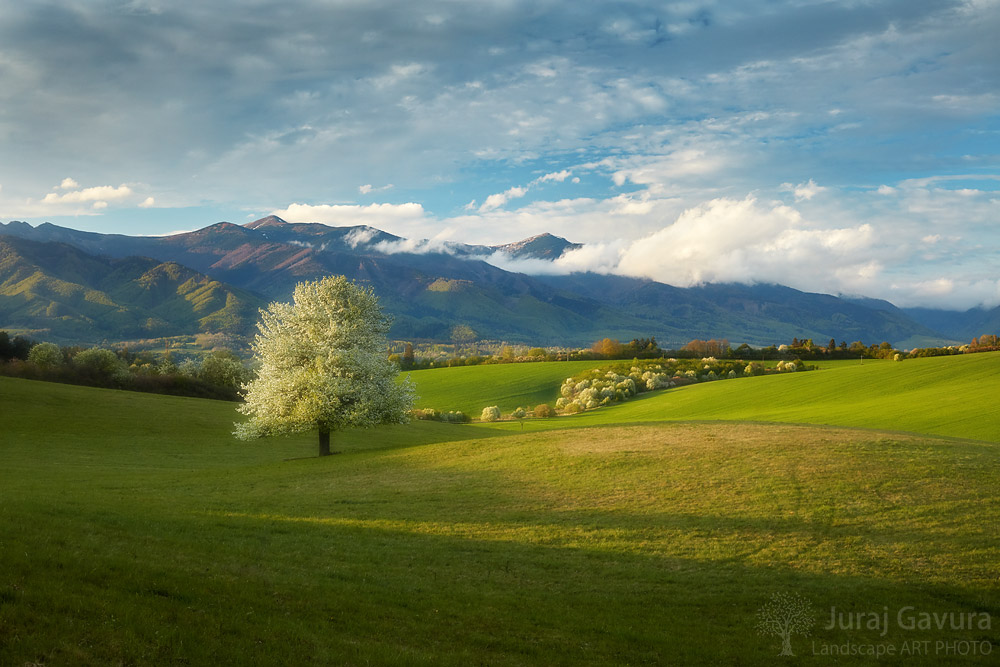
[323,365]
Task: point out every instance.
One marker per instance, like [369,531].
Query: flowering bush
[490,414]
[619,382]
[430,414]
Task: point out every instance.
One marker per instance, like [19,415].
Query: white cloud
[396,218]
[368,188]
[360,236]
[98,193]
[557,176]
[803,191]
[68,199]
[148,202]
[497,200]
[415,246]
[730,240]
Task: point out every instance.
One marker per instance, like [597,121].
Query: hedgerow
[619,382]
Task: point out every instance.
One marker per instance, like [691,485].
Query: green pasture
[946,396]
[134,530]
[472,388]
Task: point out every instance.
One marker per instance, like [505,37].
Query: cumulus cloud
[740,240]
[382,216]
[103,193]
[69,199]
[501,198]
[557,176]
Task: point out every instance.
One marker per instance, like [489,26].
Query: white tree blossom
[323,365]
[490,413]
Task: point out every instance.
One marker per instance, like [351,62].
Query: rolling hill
[935,395]
[619,538]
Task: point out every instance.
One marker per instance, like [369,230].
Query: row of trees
[219,374]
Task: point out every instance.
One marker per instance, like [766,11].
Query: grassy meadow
[135,530]
[508,386]
[947,396]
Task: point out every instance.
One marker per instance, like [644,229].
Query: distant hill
[429,289]
[60,293]
[963,326]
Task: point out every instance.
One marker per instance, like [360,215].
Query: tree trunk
[786,644]
[324,441]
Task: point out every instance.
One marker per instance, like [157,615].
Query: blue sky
[842,147]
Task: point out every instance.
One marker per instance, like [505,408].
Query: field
[947,396]
[135,530]
[472,388]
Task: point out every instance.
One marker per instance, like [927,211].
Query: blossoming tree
[323,365]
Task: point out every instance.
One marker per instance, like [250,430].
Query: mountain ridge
[430,291]
[66,294]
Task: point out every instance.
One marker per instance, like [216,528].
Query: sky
[848,147]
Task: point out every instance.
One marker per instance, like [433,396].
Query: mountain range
[72,286]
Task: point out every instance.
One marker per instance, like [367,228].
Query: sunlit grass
[942,395]
[472,388]
[135,530]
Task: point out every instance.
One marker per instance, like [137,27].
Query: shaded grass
[133,530]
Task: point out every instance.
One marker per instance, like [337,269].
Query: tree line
[218,375]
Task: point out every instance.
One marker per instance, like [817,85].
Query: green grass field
[134,530]
[940,395]
[472,388]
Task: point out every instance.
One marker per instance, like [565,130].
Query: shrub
[456,417]
[519,413]
[102,364]
[430,414]
[543,411]
[490,414]
[224,369]
[46,355]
